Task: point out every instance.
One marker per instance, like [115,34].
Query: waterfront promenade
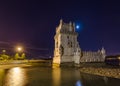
[24,63]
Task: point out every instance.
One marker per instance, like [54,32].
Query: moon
[77,27]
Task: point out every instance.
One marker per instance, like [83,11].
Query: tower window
[67,37]
[71,44]
[68,43]
[56,44]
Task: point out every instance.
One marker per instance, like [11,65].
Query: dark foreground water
[39,76]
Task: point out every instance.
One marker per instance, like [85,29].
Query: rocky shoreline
[101,70]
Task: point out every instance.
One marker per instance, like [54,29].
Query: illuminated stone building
[67,48]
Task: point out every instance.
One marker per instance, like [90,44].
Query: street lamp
[19,49]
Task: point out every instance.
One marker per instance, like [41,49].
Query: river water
[40,76]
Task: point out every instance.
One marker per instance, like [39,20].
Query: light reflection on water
[56,76]
[63,77]
[78,83]
[39,76]
[2,74]
[16,77]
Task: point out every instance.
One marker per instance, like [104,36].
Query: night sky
[32,24]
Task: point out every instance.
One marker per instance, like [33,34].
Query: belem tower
[67,48]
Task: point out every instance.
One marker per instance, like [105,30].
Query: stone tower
[65,43]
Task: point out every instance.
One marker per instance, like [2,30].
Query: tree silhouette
[23,56]
[17,56]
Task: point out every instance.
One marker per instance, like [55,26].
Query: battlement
[68,28]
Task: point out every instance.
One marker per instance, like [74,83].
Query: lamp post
[19,49]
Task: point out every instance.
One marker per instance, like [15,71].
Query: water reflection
[56,75]
[78,83]
[2,74]
[40,76]
[16,77]
[105,80]
[93,80]
[66,77]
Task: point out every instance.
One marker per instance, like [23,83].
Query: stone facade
[67,48]
[89,56]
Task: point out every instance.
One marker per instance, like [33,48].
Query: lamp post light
[19,49]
